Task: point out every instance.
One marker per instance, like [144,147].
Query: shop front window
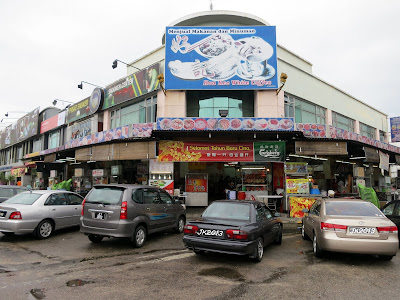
[207,104]
[140,112]
[367,131]
[303,111]
[342,122]
[37,145]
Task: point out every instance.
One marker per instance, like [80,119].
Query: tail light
[190,229]
[389,229]
[124,211]
[236,234]
[83,206]
[333,227]
[16,215]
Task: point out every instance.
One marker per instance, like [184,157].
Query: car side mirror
[276,214]
[305,210]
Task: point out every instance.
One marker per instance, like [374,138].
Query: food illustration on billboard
[312,130]
[297,186]
[221,58]
[297,204]
[265,124]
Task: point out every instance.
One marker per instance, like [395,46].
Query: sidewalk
[290,225]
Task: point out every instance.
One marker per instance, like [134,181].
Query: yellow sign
[297,186]
[297,204]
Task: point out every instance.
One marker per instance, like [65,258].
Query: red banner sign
[187,151]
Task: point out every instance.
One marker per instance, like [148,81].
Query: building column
[171,105]
[267,104]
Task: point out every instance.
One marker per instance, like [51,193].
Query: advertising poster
[52,122]
[165,184]
[230,124]
[297,186]
[296,168]
[133,86]
[187,151]
[196,183]
[269,151]
[240,57]
[395,129]
[297,204]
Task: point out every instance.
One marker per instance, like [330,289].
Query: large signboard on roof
[221,58]
[24,128]
[86,107]
[133,86]
[395,129]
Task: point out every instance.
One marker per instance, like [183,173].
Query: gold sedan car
[349,225]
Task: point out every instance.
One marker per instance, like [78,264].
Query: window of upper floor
[381,136]
[37,145]
[303,111]
[144,111]
[366,130]
[342,122]
[54,139]
[207,104]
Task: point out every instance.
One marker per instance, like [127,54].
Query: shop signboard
[193,151]
[269,151]
[133,86]
[81,129]
[156,166]
[312,130]
[395,129]
[383,161]
[230,124]
[98,172]
[297,186]
[320,148]
[86,107]
[53,122]
[371,155]
[240,57]
[24,128]
[18,172]
[294,168]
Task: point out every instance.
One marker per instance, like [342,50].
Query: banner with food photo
[297,186]
[133,86]
[264,124]
[240,57]
[312,130]
[188,151]
[297,204]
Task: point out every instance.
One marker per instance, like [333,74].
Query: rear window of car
[359,209]
[6,193]
[24,198]
[105,195]
[227,210]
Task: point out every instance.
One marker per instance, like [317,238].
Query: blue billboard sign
[395,129]
[215,58]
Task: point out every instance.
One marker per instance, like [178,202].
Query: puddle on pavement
[226,273]
[77,282]
[37,294]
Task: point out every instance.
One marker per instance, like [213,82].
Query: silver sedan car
[351,226]
[40,212]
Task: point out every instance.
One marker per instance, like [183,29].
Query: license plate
[3,214]
[362,230]
[100,216]
[210,232]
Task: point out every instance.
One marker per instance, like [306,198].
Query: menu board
[297,186]
[296,168]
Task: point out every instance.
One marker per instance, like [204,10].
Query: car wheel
[180,225]
[44,229]
[303,233]
[317,251]
[386,257]
[259,250]
[7,233]
[95,238]
[139,237]
[278,240]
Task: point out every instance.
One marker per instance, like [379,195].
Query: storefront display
[99,176]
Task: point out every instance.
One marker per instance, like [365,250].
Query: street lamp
[283,81]
[81,84]
[19,112]
[115,64]
[56,100]
[9,119]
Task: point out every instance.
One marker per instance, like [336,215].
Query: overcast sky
[48,47]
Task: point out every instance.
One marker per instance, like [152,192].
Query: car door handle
[53,209]
[76,208]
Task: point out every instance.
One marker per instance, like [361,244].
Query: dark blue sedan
[234,227]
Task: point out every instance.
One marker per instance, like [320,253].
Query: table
[269,200]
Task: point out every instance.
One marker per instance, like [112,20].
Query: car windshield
[228,210]
[24,198]
[358,209]
[105,195]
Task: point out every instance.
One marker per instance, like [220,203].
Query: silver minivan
[129,211]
